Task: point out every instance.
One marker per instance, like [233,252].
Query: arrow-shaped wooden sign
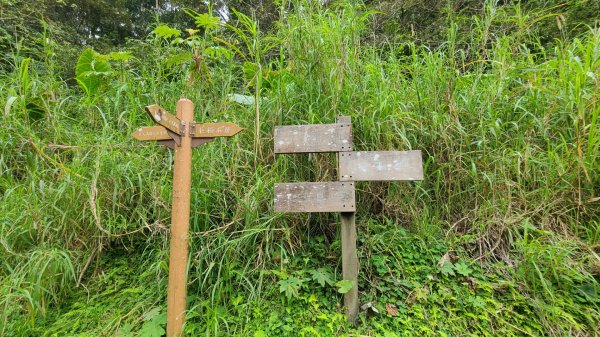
[215,130]
[151,133]
[171,129]
[164,118]
[206,130]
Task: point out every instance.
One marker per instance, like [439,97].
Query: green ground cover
[501,238]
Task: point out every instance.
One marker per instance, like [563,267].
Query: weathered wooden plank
[205,130]
[314,197]
[195,142]
[200,141]
[313,138]
[151,133]
[349,252]
[344,119]
[380,165]
[350,263]
[164,118]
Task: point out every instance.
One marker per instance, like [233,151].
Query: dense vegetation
[501,238]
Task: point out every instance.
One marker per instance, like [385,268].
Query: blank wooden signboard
[313,138]
[381,165]
[314,197]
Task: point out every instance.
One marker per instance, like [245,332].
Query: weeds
[507,125]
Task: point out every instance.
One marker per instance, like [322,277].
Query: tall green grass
[508,128]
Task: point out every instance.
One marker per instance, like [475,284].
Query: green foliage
[217,52]
[344,286]
[427,21]
[121,56]
[290,286]
[154,324]
[462,268]
[447,269]
[166,32]
[322,276]
[207,21]
[485,303]
[91,69]
[500,238]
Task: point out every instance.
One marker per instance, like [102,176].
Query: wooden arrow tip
[235,129]
[155,112]
[153,109]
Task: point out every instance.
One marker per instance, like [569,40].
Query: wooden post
[180,222]
[348,237]
[181,134]
[350,264]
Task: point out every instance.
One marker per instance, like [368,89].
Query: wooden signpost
[339,196]
[180,133]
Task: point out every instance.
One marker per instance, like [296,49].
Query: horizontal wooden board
[380,165]
[195,142]
[151,133]
[313,138]
[200,141]
[164,118]
[215,130]
[314,197]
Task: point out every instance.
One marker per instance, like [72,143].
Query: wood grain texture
[164,118]
[349,253]
[180,223]
[151,133]
[313,138]
[380,165]
[225,129]
[344,119]
[195,142]
[350,263]
[314,197]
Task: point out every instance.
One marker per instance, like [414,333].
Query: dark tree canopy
[105,23]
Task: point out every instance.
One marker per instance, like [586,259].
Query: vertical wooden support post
[180,222]
[181,134]
[349,254]
[350,264]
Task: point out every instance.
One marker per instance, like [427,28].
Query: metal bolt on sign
[339,196]
[181,134]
